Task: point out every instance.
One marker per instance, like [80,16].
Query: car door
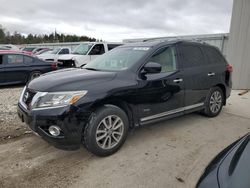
[1,70]
[216,65]
[96,50]
[15,69]
[161,94]
[194,67]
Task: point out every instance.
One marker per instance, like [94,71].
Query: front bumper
[69,119]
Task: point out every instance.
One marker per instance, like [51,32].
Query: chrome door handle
[210,74]
[177,80]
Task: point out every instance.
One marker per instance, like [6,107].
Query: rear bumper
[66,118]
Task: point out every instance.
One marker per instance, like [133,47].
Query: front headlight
[56,99]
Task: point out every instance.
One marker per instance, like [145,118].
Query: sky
[114,20]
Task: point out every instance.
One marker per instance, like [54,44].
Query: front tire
[214,102]
[106,130]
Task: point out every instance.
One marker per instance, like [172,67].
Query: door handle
[177,80]
[210,74]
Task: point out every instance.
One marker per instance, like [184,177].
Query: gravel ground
[10,124]
[169,154]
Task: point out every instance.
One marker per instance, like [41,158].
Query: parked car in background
[40,49]
[4,48]
[28,50]
[130,86]
[230,168]
[9,47]
[17,68]
[44,51]
[86,52]
[54,54]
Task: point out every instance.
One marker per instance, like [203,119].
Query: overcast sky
[114,20]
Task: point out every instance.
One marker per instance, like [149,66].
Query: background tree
[16,38]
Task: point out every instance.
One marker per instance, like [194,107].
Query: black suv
[130,86]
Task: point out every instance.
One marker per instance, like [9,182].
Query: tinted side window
[191,55]
[14,59]
[213,55]
[64,51]
[112,46]
[98,49]
[166,58]
[28,59]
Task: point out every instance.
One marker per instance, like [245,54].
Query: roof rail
[177,39]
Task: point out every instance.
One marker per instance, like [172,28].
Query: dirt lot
[153,156]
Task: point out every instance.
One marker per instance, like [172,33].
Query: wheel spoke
[100,131]
[104,143]
[105,123]
[109,142]
[115,132]
[101,137]
[110,121]
[117,126]
[113,136]
[115,122]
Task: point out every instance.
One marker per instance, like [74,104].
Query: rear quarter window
[213,55]
[191,55]
[28,59]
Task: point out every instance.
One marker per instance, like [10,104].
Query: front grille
[27,97]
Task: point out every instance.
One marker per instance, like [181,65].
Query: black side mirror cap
[151,68]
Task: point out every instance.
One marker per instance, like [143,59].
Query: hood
[68,56]
[230,168]
[234,170]
[69,80]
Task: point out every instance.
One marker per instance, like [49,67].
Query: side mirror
[151,68]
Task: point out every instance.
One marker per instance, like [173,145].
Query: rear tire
[34,75]
[106,130]
[214,102]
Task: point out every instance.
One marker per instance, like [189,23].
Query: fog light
[54,130]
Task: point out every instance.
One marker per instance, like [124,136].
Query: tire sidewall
[91,128]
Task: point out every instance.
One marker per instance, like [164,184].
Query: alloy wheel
[109,132]
[215,102]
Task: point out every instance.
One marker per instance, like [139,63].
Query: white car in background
[9,47]
[85,52]
[54,54]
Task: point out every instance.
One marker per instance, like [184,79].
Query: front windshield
[82,49]
[118,59]
[55,51]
